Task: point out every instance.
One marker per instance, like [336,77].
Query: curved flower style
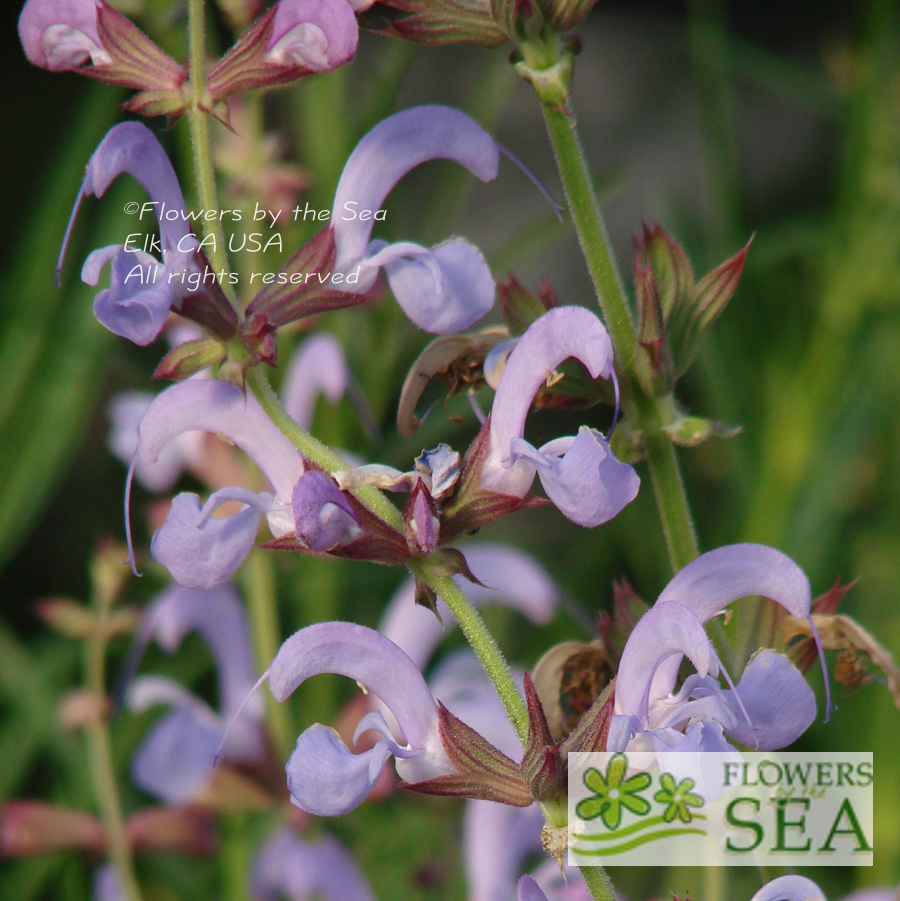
[61,34]
[324,777]
[702,712]
[289,867]
[442,290]
[142,290]
[201,552]
[580,474]
[176,759]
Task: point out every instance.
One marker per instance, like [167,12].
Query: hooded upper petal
[212,406]
[125,412]
[318,35]
[444,289]
[789,888]
[324,776]
[662,633]
[130,148]
[719,577]
[61,34]
[579,474]
[141,291]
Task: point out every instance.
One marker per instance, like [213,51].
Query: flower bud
[293,39]
[66,35]
[32,827]
[564,15]
[444,22]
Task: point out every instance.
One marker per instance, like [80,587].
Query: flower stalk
[100,750]
[483,643]
[549,69]
[204,173]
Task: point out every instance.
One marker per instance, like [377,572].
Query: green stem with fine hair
[315,450]
[592,234]
[548,67]
[599,884]
[204,173]
[483,643]
[100,753]
[258,579]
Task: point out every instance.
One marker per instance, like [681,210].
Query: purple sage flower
[324,777]
[443,289]
[649,716]
[61,34]
[288,867]
[198,550]
[176,758]
[579,473]
[142,289]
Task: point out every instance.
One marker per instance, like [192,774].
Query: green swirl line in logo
[637,842]
[630,830]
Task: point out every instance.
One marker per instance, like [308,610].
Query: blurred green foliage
[804,360]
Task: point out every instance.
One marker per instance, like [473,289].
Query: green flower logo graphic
[677,798]
[612,792]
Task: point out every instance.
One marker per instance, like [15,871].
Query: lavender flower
[142,289]
[443,289]
[647,714]
[324,777]
[176,759]
[579,473]
[288,867]
[199,551]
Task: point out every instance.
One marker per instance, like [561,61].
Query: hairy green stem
[204,173]
[599,884]
[101,760]
[483,643]
[552,87]
[258,578]
[671,500]
[315,450]
[591,231]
